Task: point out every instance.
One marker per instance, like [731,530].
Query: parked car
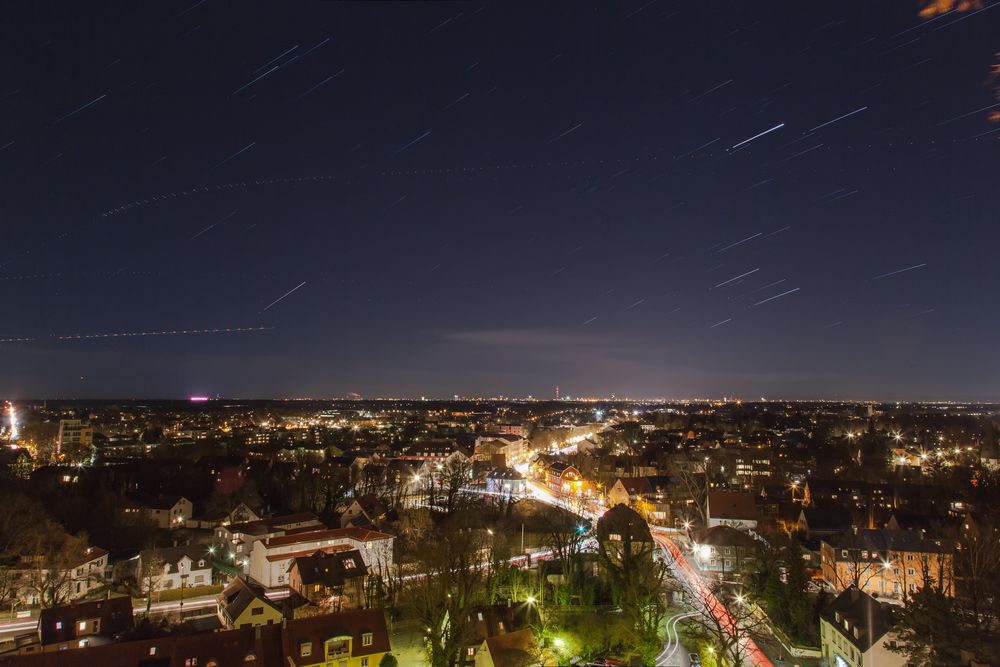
[695,660]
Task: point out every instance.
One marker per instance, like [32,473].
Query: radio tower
[557,392]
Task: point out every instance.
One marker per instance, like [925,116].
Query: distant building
[74,434]
[16,463]
[856,631]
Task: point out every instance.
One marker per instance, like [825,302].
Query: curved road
[690,578]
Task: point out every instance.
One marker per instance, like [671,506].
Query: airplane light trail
[173,332]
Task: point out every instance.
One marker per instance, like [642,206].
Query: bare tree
[443,597]
[695,483]
[564,535]
[727,623]
[150,574]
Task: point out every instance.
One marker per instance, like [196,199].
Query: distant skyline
[647,199]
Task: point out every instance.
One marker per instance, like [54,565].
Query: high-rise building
[74,434]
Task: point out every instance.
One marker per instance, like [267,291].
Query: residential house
[621,530]
[333,580]
[729,508]
[90,572]
[886,563]
[186,566]
[238,538]
[487,621]
[628,491]
[271,558]
[16,463]
[512,649]
[357,638]
[366,510]
[856,631]
[84,624]
[505,481]
[724,549]
[244,604]
[821,522]
[167,512]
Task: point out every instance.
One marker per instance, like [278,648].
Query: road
[686,574]
[695,585]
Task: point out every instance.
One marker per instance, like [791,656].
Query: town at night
[468,334]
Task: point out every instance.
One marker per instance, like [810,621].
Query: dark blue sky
[499,198]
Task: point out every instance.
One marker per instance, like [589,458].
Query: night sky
[484,199]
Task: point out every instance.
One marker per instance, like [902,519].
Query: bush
[388,660]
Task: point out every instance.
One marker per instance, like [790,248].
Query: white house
[856,631]
[235,540]
[270,558]
[90,573]
[190,566]
[167,512]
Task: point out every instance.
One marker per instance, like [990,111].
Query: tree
[150,574]
[726,623]
[452,583]
[564,535]
[928,630]
[636,578]
[453,477]
[695,482]
[52,556]
[388,660]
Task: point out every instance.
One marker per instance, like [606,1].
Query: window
[480,615]
[366,639]
[349,564]
[58,625]
[913,587]
[305,649]
[191,662]
[843,553]
[910,571]
[152,650]
[364,662]
[471,651]
[82,626]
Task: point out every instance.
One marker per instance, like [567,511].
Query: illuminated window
[366,639]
